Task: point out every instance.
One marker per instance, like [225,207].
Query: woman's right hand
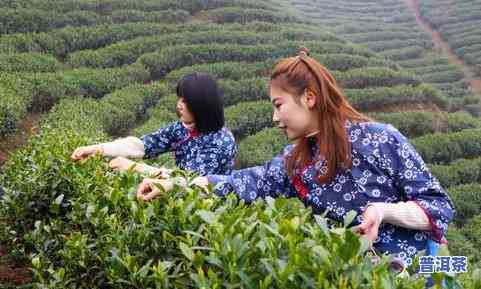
[85,152]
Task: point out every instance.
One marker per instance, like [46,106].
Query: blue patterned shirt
[206,153]
[385,168]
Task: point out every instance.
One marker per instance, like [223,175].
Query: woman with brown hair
[340,160]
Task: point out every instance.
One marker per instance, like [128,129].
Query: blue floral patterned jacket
[206,153]
[385,168]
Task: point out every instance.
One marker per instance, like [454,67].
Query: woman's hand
[85,152]
[163,173]
[372,219]
[119,164]
[148,189]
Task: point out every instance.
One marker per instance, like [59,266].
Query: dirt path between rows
[443,46]
[26,128]
[13,272]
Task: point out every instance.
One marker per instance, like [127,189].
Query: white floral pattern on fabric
[211,153]
[386,168]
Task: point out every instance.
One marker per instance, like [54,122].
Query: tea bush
[158,117]
[247,118]
[243,15]
[69,39]
[419,123]
[249,89]
[461,171]
[92,232]
[443,148]
[14,99]
[20,20]
[127,52]
[171,58]
[80,223]
[45,160]
[28,62]
[256,149]
[374,76]
[231,70]
[377,98]
[467,198]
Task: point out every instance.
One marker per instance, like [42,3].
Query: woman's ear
[310,98]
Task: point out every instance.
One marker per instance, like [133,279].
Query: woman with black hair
[198,140]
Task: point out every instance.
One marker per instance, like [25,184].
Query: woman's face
[183,112]
[296,119]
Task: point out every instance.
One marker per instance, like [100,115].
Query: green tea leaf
[187,251]
[207,216]
[59,199]
[349,217]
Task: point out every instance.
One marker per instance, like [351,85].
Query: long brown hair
[297,75]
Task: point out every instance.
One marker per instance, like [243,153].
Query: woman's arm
[404,214]
[124,147]
[122,164]
[148,146]
[248,184]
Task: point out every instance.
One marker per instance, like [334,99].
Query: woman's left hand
[149,189]
[370,225]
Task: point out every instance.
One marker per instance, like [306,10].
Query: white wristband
[125,147]
[404,214]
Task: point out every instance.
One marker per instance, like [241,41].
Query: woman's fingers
[113,164]
[165,173]
[154,193]
[148,190]
[120,164]
[369,227]
[116,163]
[364,226]
[77,154]
[82,153]
[161,173]
[144,187]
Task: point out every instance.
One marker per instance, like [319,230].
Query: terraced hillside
[458,22]
[97,70]
[389,27]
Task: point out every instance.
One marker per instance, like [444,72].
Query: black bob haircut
[204,99]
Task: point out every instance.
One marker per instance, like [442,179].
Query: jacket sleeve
[161,141]
[416,183]
[256,182]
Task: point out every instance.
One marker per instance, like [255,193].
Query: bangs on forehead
[281,82]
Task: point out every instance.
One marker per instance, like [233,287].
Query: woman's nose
[275,117]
